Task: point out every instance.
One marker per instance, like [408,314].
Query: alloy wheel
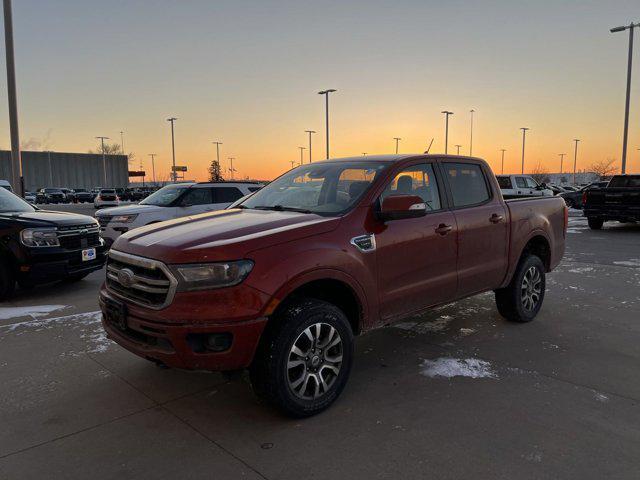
[531,289]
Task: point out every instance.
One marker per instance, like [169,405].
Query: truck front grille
[140,280]
[79,236]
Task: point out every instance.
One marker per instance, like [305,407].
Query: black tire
[595,223]
[570,203]
[513,303]
[273,378]
[7,281]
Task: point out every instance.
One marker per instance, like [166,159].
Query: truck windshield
[329,188]
[10,203]
[165,196]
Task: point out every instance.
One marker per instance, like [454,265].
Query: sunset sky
[247,74]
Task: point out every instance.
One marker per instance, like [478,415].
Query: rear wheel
[7,281]
[595,223]
[522,299]
[304,358]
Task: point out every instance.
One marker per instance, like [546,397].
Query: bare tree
[604,168]
[113,149]
[540,174]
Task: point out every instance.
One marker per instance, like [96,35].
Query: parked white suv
[107,197]
[172,201]
[522,186]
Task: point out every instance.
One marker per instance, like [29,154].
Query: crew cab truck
[282,282]
[39,246]
[618,201]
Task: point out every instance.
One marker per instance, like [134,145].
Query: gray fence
[71,170]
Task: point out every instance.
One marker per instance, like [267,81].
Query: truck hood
[47,218]
[130,210]
[223,235]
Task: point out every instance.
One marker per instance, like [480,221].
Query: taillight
[584,198]
[99,197]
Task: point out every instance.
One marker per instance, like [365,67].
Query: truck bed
[613,203]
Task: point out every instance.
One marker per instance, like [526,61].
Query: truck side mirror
[396,207]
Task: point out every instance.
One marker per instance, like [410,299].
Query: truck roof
[399,157]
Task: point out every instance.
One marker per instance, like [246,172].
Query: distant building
[567,178]
[71,170]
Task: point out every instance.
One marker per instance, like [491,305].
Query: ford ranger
[281,282]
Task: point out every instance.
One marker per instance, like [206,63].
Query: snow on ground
[33,312]
[436,325]
[87,324]
[632,262]
[457,367]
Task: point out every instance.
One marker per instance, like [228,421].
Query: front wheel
[304,358]
[595,223]
[522,299]
[7,281]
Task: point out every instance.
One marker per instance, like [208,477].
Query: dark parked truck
[619,201]
[38,246]
[281,282]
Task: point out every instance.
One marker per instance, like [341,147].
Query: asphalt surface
[555,398]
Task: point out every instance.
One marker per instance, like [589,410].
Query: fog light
[218,342]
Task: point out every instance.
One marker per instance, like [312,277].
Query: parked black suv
[50,195]
[39,246]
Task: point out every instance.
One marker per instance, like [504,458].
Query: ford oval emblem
[125,277]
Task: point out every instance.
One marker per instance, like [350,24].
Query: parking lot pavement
[555,398]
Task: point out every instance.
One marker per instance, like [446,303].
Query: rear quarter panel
[531,217]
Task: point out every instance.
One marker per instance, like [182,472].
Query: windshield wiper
[282,208]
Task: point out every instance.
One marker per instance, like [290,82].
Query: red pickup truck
[282,281]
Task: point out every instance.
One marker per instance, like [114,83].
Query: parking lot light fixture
[561,155]
[472,111]
[502,164]
[524,134]
[104,160]
[310,132]
[446,130]
[397,139]
[575,159]
[173,148]
[231,169]
[458,149]
[153,166]
[302,149]
[625,133]
[326,97]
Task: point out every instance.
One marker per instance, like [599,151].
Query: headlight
[123,218]
[39,237]
[205,276]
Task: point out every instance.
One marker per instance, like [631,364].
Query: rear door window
[226,194]
[467,183]
[521,183]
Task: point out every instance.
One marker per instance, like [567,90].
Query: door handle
[443,229]
[495,218]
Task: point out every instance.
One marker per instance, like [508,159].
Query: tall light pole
[217,144]
[364,154]
[231,169]
[326,95]
[575,159]
[310,132]
[561,155]
[153,166]
[524,134]
[471,135]
[293,164]
[16,158]
[625,134]
[122,141]
[302,149]
[458,149]
[104,161]
[446,130]
[397,139]
[502,164]
[173,149]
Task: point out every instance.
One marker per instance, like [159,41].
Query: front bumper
[153,336]
[50,264]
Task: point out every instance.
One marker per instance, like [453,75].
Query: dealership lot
[555,398]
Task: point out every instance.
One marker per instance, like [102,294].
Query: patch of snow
[33,312]
[601,397]
[457,367]
[467,331]
[535,457]
[436,325]
[632,262]
[580,269]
